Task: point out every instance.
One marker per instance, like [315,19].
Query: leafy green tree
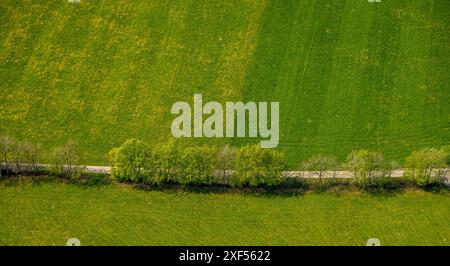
[426,164]
[255,166]
[197,165]
[365,164]
[274,164]
[168,156]
[132,161]
[446,149]
[151,168]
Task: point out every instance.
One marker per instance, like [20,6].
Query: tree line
[23,157]
[138,161]
[15,153]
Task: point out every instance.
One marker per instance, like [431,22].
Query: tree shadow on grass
[436,188]
[18,180]
[394,187]
[92,180]
[388,187]
[289,188]
[284,190]
[89,180]
[298,187]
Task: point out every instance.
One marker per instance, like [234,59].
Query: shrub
[422,182]
[95,179]
[134,161]
[197,165]
[168,156]
[225,161]
[255,166]
[426,165]
[365,165]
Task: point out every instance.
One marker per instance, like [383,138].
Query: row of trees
[18,156]
[428,165]
[424,166]
[65,161]
[138,161]
[24,157]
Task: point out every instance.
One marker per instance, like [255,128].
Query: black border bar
[236,255]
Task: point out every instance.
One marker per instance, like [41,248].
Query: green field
[347,74]
[51,213]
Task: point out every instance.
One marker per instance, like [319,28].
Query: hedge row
[137,161]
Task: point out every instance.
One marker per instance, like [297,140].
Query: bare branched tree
[319,165]
[6,145]
[17,154]
[65,160]
[30,155]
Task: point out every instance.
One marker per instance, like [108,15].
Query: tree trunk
[6,163]
[17,165]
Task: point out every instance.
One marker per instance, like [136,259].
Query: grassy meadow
[49,213]
[347,74]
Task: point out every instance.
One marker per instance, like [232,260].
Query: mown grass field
[347,74]
[51,213]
